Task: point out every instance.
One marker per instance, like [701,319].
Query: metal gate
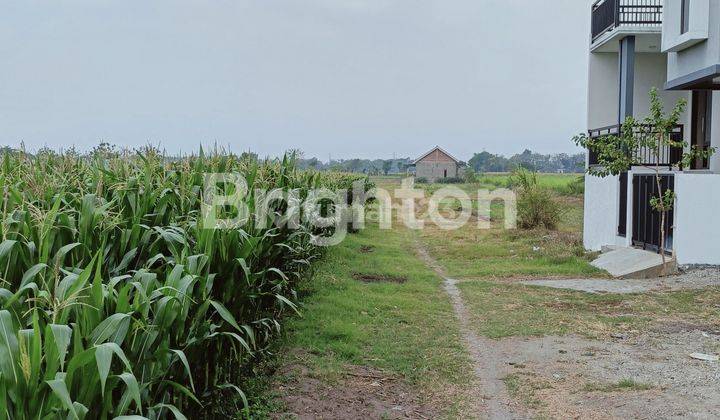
[622,213]
[646,220]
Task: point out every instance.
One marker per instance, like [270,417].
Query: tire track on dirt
[492,398]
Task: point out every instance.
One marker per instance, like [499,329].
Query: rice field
[116,299]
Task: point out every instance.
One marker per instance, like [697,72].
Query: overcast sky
[347,78]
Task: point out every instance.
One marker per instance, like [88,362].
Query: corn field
[116,301]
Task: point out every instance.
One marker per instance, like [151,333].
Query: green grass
[523,386]
[566,184]
[561,183]
[505,310]
[470,252]
[405,329]
[622,385]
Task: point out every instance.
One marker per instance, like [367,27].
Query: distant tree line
[367,166]
[560,162]
[480,163]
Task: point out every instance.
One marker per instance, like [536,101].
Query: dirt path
[691,279]
[491,399]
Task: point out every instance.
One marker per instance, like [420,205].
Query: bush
[574,187]
[450,180]
[470,175]
[496,181]
[421,180]
[535,205]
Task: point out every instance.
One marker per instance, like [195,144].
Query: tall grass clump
[535,205]
[115,300]
[574,187]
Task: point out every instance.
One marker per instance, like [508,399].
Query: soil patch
[366,249]
[378,278]
[363,393]
[572,377]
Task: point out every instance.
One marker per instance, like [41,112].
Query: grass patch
[523,387]
[623,385]
[505,310]
[496,253]
[469,252]
[407,328]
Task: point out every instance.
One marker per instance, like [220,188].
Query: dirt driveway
[648,376]
[638,375]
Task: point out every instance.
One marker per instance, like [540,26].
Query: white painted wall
[601,211]
[697,231]
[700,47]
[603,91]
[672,37]
[650,71]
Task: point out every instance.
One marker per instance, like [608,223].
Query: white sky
[347,78]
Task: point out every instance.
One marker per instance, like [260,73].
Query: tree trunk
[662,211]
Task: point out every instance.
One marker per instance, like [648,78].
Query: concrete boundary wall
[697,232]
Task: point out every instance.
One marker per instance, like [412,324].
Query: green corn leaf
[103,359]
[127,258]
[60,391]
[78,361]
[240,393]
[80,410]
[6,247]
[181,355]
[36,348]
[133,388]
[113,327]
[225,314]
[63,251]
[183,390]
[62,335]
[178,415]
[235,337]
[8,348]
[31,273]
[3,399]
[287,302]
[20,292]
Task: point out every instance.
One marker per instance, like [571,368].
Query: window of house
[685,19]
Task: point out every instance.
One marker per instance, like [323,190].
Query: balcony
[614,19]
[667,156]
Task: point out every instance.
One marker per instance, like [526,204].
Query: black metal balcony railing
[666,156]
[609,14]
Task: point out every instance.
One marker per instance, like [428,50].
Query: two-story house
[673,45]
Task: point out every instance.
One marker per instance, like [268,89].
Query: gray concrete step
[632,263]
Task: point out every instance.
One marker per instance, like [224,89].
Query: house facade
[673,45]
[437,164]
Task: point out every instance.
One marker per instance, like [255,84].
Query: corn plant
[115,300]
